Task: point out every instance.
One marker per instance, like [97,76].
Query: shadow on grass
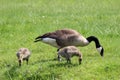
[14,72]
[44,76]
[58,64]
[64,64]
[43,61]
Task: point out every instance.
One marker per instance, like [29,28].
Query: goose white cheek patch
[99,49]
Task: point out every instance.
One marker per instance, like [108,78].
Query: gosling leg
[27,61]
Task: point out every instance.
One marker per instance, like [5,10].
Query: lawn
[21,21]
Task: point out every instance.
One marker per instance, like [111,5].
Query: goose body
[68,37]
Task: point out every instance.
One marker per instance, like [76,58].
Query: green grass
[23,20]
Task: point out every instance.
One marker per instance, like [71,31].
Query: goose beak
[101,51]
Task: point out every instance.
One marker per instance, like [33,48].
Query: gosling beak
[80,61]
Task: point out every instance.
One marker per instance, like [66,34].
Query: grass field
[21,21]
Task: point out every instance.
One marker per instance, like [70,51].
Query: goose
[68,37]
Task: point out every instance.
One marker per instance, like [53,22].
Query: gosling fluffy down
[23,54]
[68,52]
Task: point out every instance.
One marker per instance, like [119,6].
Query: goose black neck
[93,38]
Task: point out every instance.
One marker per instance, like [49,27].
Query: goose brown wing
[66,40]
[59,34]
[47,35]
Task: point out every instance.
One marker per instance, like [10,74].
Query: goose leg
[58,57]
[58,49]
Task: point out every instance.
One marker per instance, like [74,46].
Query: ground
[21,21]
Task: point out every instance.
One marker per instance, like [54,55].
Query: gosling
[68,52]
[23,54]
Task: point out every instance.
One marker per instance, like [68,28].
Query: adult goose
[68,37]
